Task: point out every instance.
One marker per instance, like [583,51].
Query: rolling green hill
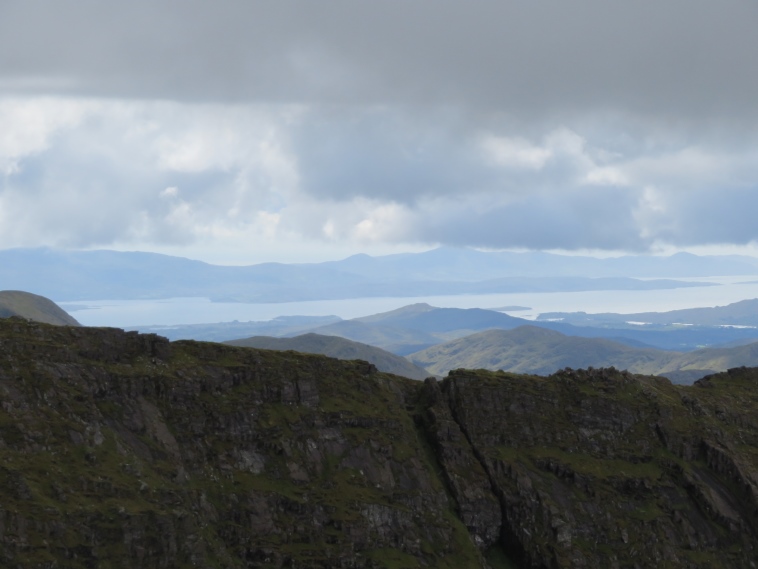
[33,307]
[399,341]
[530,349]
[340,348]
[717,359]
[419,326]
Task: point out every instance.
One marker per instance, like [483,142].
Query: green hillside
[419,326]
[717,359]
[397,340]
[340,348]
[530,349]
[33,307]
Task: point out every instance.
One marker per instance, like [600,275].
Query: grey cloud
[375,174]
[720,215]
[681,58]
[564,219]
[69,196]
[387,155]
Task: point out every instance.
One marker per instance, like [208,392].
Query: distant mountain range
[447,263]
[743,313]
[223,331]
[340,348]
[419,326]
[451,338]
[90,275]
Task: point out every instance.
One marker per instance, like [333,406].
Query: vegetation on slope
[33,307]
[601,468]
[530,349]
[418,326]
[340,348]
[123,450]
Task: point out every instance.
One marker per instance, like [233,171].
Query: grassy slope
[533,350]
[108,448]
[336,347]
[386,337]
[33,307]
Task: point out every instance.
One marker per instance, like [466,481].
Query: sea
[177,311]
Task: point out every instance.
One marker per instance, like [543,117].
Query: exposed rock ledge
[122,450]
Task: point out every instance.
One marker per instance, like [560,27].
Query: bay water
[175,311]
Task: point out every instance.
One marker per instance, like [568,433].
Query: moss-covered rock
[124,450]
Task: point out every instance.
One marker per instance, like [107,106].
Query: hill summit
[33,307]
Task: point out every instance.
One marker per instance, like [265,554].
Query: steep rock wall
[122,450]
[125,450]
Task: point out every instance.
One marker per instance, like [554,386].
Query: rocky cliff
[125,450]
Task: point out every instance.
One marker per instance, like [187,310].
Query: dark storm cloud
[547,124]
[679,57]
[388,155]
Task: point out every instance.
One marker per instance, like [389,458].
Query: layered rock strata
[125,450]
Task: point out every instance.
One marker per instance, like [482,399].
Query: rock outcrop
[600,468]
[124,450]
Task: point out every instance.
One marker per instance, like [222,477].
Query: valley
[420,340]
[441,339]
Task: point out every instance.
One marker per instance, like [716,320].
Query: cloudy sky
[247,131]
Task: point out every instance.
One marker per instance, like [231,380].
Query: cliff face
[122,450]
[601,468]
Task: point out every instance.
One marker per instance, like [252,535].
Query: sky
[241,131]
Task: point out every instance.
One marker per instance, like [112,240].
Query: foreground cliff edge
[123,450]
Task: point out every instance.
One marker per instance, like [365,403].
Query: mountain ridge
[337,347]
[33,307]
[86,275]
[535,350]
[741,313]
[402,330]
[122,449]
